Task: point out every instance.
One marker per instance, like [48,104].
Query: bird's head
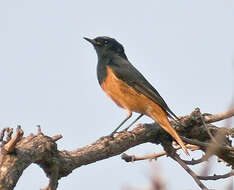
[105,45]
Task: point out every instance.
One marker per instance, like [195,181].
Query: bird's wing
[130,75]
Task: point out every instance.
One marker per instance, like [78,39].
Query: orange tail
[160,116]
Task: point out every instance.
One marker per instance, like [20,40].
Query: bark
[42,150]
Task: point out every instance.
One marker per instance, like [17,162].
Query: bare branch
[194,162]
[208,130]
[172,153]
[42,150]
[219,116]
[132,158]
[194,176]
[215,177]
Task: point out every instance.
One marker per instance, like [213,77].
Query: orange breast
[124,95]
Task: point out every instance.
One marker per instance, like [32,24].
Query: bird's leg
[129,113]
[133,122]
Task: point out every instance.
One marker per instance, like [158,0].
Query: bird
[128,88]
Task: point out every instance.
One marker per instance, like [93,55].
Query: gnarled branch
[42,150]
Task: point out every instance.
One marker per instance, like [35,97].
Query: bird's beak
[95,43]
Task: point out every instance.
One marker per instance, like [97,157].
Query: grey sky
[184,48]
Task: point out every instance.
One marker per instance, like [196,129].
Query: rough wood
[42,150]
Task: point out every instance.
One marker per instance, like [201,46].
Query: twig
[207,129]
[204,145]
[172,153]
[194,142]
[216,177]
[194,162]
[219,116]
[132,158]
[190,172]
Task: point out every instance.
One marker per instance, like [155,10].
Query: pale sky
[48,75]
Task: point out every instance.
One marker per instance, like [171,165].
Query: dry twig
[216,177]
[132,158]
[219,116]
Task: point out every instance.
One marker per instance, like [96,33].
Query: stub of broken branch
[9,132]
[9,147]
[57,137]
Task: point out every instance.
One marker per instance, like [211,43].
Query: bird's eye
[106,42]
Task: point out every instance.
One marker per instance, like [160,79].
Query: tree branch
[187,169]
[42,150]
[219,116]
[133,158]
[215,177]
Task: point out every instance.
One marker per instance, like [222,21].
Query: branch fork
[19,152]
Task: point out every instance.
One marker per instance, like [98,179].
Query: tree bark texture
[42,150]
